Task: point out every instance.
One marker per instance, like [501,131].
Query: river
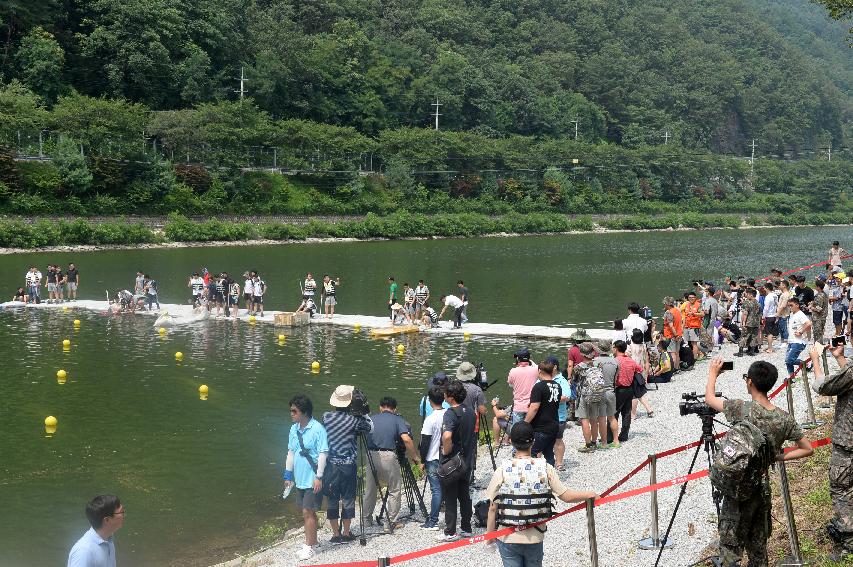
[198,478]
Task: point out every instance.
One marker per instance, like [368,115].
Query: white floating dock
[351,321]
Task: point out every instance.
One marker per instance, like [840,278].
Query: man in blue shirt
[96,548]
[307,448]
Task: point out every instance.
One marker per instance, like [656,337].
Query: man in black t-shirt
[543,412]
[457,436]
[805,294]
[72,279]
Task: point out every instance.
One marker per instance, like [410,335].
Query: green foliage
[107,127]
[73,172]
[21,110]
[270,533]
[40,60]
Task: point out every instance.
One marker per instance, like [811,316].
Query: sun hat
[342,396]
[521,433]
[605,345]
[396,306]
[466,372]
[588,350]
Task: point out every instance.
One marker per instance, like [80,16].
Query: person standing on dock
[259,288]
[309,288]
[72,280]
[421,299]
[249,291]
[196,285]
[392,295]
[463,295]
[330,289]
[458,306]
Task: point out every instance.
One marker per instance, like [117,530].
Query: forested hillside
[348,85]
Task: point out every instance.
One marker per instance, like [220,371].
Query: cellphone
[728,365]
[839,340]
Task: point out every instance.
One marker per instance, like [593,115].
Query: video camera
[359,406]
[693,403]
[482,378]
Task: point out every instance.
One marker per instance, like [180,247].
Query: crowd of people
[60,286]
[416,308]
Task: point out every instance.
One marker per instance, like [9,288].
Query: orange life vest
[676,324]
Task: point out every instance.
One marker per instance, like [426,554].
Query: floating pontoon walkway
[351,321]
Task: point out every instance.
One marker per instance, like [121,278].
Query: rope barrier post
[796,557]
[383,561]
[590,527]
[654,542]
[789,393]
[813,421]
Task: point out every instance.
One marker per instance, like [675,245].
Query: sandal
[650,414]
[561,468]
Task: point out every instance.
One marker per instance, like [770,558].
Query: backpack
[594,387]
[481,513]
[741,461]
[685,353]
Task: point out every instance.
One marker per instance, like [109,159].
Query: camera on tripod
[359,406]
[693,403]
[482,378]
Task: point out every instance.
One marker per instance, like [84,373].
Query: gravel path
[619,525]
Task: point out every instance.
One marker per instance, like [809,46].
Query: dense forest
[592,105]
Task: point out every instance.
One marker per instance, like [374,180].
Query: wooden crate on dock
[287,319]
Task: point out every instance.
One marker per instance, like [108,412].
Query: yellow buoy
[66,343]
[50,425]
[76,322]
[315,366]
[357,328]
[251,318]
[202,392]
[281,338]
[401,349]
[65,308]
[61,374]
[162,330]
[179,356]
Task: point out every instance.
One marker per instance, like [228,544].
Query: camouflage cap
[668,301]
[579,336]
[588,350]
[605,345]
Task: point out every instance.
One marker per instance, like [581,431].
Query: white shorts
[72,286]
[330,300]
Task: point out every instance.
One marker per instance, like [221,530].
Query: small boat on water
[395,330]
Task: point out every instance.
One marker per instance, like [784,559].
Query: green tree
[40,60]
[21,111]
[73,172]
[107,127]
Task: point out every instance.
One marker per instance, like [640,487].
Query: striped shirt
[341,428]
[421,292]
[310,286]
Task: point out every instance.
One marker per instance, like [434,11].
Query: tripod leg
[678,503]
[484,425]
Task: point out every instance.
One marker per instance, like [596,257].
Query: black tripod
[706,443]
[410,486]
[487,432]
[365,458]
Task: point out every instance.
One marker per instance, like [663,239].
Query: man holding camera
[389,429]
[521,379]
[840,384]
[746,524]
[342,425]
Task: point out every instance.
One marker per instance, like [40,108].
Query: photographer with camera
[458,443]
[840,384]
[307,449]
[745,521]
[388,429]
[342,425]
[521,380]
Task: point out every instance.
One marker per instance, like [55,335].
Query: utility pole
[575,122]
[752,159]
[436,113]
[829,151]
[243,79]
[666,137]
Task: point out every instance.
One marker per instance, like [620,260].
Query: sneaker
[614,445]
[336,539]
[429,526]
[347,538]
[602,447]
[447,538]
[307,552]
[389,529]
[463,533]
[587,449]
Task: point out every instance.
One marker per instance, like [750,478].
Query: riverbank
[18,236]
[694,529]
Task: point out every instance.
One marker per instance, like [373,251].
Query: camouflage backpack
[593,388]
[740,465]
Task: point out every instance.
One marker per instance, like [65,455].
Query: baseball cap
[522,353]
[521,433]
[553,360]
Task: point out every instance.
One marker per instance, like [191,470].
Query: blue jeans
[521,554]
[544,443]
[435,490]
[517,417]
[793,355]
[783,328]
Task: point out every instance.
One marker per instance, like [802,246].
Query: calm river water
[198,478]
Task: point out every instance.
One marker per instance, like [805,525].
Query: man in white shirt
[457,304]
[429,448]
[798,333]
[634,321]
[249,291]
[771,305]
[96,548]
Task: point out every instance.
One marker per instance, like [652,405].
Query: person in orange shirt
[672,329]
[693,315]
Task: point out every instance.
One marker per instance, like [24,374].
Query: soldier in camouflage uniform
[840,384]
[751,322]
[819,308]
[745,525]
